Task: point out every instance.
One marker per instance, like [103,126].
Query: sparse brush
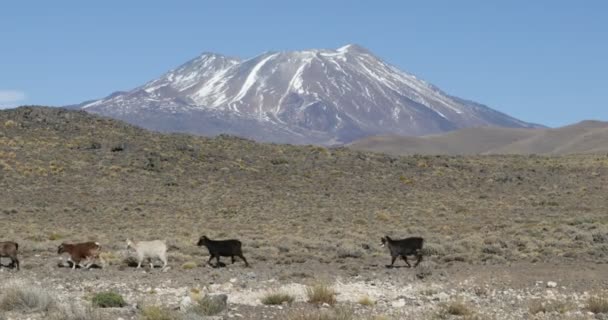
[157,313]
[26,298]
[456,308]
[349,253]
[321,293]
[75,312]
[598,304]
[336,314]
[209,305]
[277,298]
[548,306]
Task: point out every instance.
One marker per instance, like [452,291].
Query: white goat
[149,249]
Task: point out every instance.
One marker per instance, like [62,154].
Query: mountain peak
[320,96]
[353,48]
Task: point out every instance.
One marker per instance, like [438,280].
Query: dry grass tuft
[76,312]
[366,301]
[26,298]
[321,293]
[455,308]
[157,313]
[337,314]
[209,306]
[598,304]
[277,298]
[549,306]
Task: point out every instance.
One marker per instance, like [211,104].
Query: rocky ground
[517,291]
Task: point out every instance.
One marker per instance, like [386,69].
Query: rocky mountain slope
[310,96]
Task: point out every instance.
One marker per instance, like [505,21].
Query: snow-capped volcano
[311,96]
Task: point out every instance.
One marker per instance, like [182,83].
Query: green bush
[108,300]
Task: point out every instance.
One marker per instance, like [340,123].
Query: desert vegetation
[303,213]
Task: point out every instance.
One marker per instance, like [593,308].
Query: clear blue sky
[540,61]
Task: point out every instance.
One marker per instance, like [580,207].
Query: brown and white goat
[79,252]
[8,249]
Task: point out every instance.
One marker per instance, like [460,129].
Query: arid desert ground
[506,237]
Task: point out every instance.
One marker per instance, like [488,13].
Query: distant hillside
[79,176]
[583,137]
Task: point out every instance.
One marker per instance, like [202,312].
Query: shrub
[598,304]
[320,293]
[455,308]
[10,123]
[277,298]
[210,305]
[55,236]
[366,301]
[26,299]
[75,312]
[157,313]
[108,300]
[349,253]
[279,161]
[548,306]
[337,314]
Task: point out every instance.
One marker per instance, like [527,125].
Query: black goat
[404,247]
[222,248]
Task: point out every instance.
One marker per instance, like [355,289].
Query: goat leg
[406,262]
[242,257]
[393,258]
[419,255]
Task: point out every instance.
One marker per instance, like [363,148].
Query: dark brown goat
[404,247]
[81,251]
[8,249]
[223,248]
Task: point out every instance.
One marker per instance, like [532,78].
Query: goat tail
[16,246]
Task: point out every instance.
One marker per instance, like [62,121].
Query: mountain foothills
[583,137]
[304,97]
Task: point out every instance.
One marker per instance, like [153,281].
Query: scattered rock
[398,303]
[185,304]
[441,296]
[551,284]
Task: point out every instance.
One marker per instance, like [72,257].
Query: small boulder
[398,303]
[185,304]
